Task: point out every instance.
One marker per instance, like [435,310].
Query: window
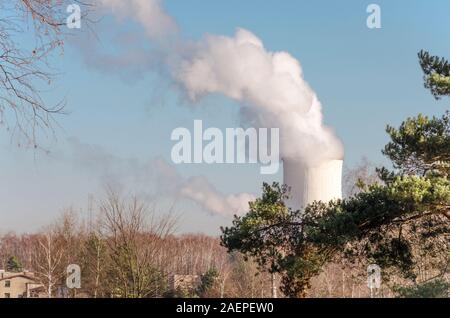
[7,283]
[7,295]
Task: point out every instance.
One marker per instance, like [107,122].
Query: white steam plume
[271,88]
[205,194]
[149,13]
[112,169]
[269,85]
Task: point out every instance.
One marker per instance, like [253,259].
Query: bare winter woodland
[126,249]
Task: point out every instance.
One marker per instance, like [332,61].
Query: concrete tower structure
[309,183]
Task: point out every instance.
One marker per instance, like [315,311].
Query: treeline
[126,250]
[129,251]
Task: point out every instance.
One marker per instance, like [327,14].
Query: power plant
[309,183]
[272,92]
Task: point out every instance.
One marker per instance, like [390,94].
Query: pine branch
[437,74]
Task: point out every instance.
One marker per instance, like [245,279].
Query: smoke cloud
[269,85]
[156,176]
[201,191]
[149,13]
[271,88]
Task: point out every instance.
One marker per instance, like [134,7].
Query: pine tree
[437,74]
[13,265]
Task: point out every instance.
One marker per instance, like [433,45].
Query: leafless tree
[30,30]
[94,261]
[47,260]
[363,173]
[132,235]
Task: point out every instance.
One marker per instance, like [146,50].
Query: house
[20,285]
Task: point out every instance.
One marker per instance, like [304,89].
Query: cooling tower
[322,182]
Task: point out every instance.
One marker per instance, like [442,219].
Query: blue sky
[364,78]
